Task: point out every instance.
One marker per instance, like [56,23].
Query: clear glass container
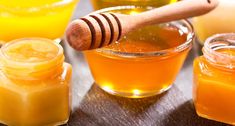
[145,62]
[214,79]
[34,18]
[34,83]
[99,4]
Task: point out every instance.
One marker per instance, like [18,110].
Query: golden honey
[214,79]
[219,20]
[34,83]
[99,4]
[34,18]
[145,62]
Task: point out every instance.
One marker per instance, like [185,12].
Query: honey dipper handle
[176,11]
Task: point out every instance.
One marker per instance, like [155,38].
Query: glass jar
[99,4]
[34,83]
[220,20]
[214,79]
[34,18]
[145,62]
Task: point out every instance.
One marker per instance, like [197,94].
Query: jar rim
[179,48]
[38,8]
[27,64]
[224,41]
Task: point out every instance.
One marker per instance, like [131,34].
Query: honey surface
[150,39]
[32,51]
[229,52]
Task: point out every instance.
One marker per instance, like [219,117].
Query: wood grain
[169,109]
[93,30]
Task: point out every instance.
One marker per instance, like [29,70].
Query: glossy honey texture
[214,89]
[30,18]
[121,70]
[34,84]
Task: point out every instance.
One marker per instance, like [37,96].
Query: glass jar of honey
[219,20]
[145,62]
[34,83]
[99,4]
[34,18]
[214,79]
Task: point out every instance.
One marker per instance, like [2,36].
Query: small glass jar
[34,83]
[145,62]
[99,4]
[220,20]
[214,79]
[34,18]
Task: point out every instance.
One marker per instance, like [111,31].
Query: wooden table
[94,107]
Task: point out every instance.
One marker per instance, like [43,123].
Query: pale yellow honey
[30,93]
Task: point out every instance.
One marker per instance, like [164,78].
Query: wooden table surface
[93,107]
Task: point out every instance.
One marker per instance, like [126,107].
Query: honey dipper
[98,30]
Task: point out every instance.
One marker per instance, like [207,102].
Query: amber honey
[145,62]
[214,79]
[99,4]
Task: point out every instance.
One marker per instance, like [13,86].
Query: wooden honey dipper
[98,30]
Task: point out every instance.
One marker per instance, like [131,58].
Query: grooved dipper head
[78,35]
[93,31]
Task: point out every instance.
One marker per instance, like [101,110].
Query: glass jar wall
[34,83]
[214,72]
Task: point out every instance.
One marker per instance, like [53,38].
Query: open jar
[34,83]
[214,79]
[145,62]
[34,18]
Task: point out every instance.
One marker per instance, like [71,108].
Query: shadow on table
[193,53]
[101,108]
[185,115]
